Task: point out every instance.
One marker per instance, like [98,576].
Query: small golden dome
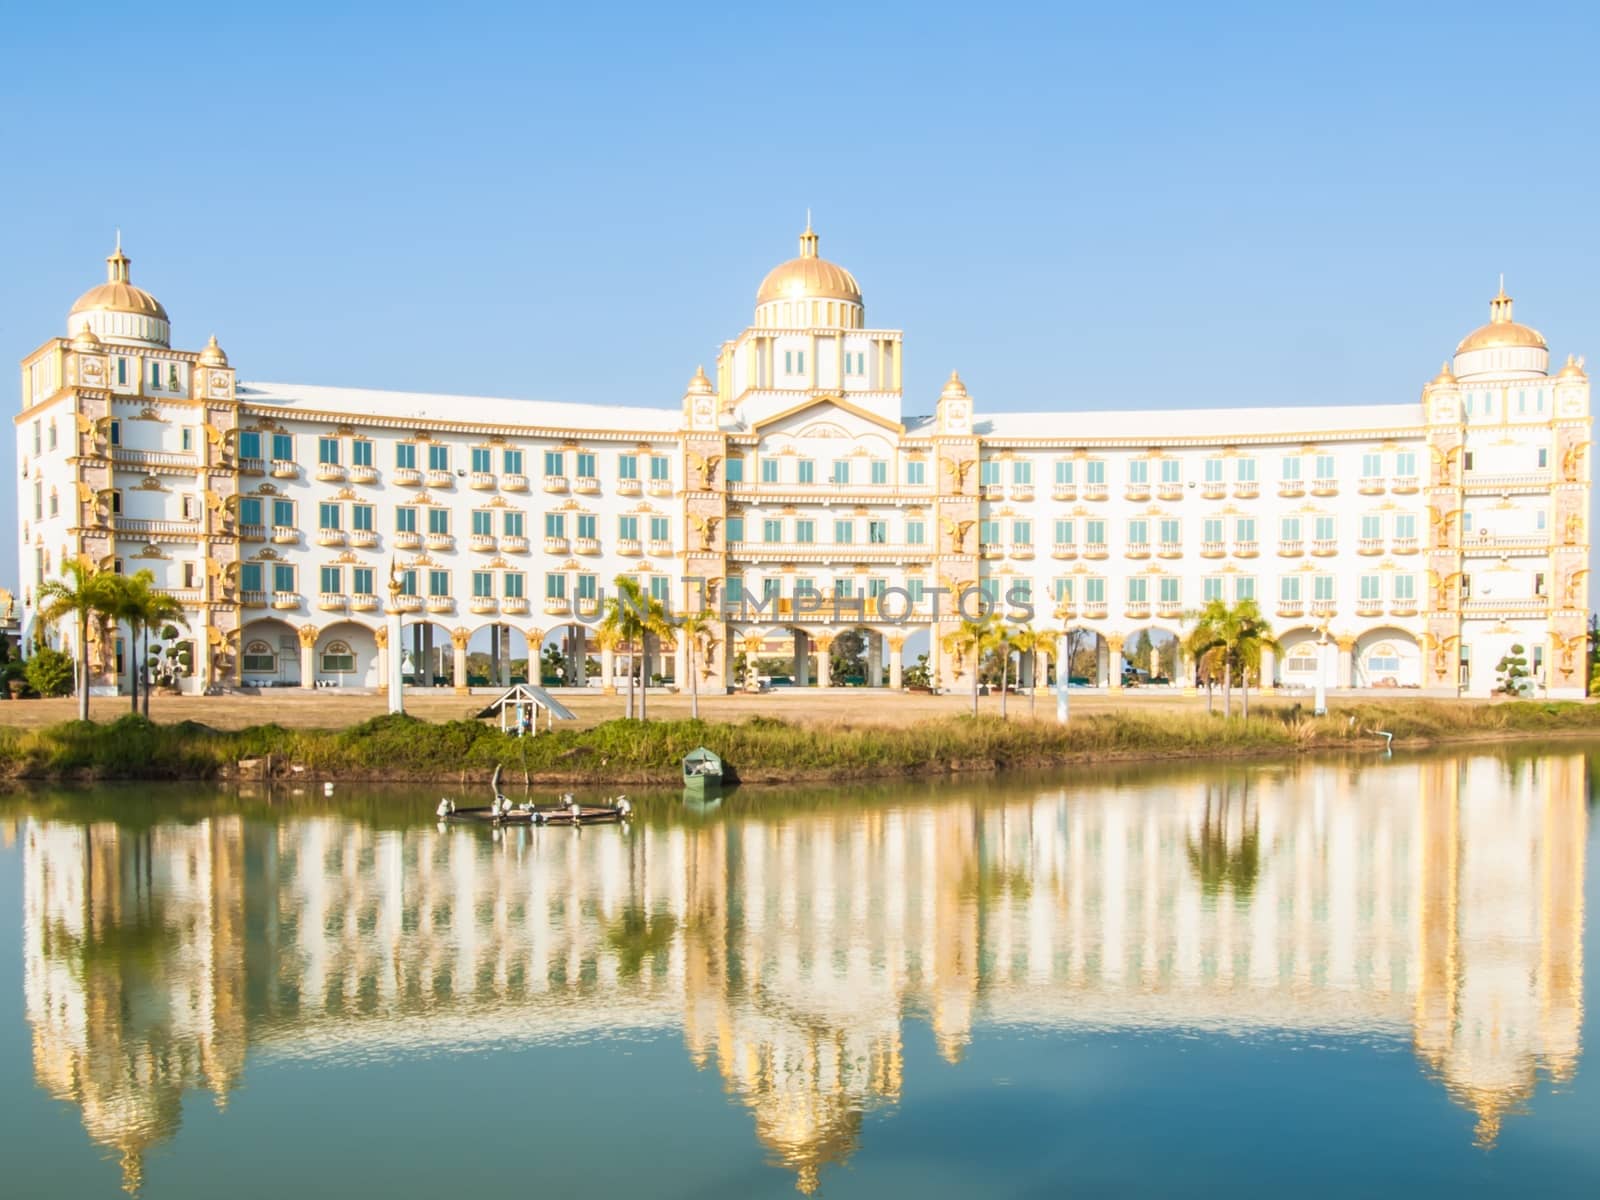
[86,340]
[700,385]
[953,388]
[809,277]
[212,355]
[1573,369]
[1443,378]
[117,294]
[1501,331]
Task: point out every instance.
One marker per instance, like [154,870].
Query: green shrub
[49,672]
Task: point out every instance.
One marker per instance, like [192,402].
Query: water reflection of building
[1441,901]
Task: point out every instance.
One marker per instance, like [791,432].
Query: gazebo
[518,708]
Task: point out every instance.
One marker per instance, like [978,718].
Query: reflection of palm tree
[639,935]
[1219,865]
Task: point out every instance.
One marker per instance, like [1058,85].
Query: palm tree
[156,611]
[697,628]
[637,617]
[1029,640]
[125,599]
[1000,641]
[1251,636]
[971,639]
[83,594]
[621,625]
[1232,638]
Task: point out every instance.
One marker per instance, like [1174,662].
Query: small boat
[567,812]
[702,772]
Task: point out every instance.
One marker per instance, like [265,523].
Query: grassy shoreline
[760,749]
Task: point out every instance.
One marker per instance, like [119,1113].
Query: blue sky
[1077,206]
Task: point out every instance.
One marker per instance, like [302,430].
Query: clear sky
[1077,206]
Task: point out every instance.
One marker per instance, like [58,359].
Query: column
[802,660]
[1114,662]
[577,655]
[1269,672]
[897,650]
[458,640]
[381,637]
[680,663]
[873,659]
[608,671]
[823,646]
[1182,679]
[308,656]
[202,658]
[1347,661]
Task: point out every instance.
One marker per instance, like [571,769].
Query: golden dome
[1501,331]
[1443,378]
[86,340]
[1573,369]
[953,387]
[809,277]
[212,355]
[700,385]
[116,294]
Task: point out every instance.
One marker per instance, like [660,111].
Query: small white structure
[518,708]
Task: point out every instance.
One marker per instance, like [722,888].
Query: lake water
[1360,977]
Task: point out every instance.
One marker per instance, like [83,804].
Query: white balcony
[1291,548]
[555,545]
[1324,547]
[1324,608]
[440,479]
[253,599]
[407,477]
[588,606]
[332,601]
[407,539]
[440,541]
[1064,550]
[363,602]
[1169,491]
[1369,546]
[586,485]
[1094,610]
[330,473]
[629,546]
[1022,550]
[515,605]
[329,537]
[991,550]
[1291,488]
[1404,545]
[481,481]
[1324,487]
[1138,549]
[1169,550]
[586,546]
[556,485]
[1246,549]
[284,468]
[253,533]
[1404,485]
[1370,485]
[513,483]
[285,535]
[1170,609]
[1138,492]
[1096,550]
[660,547]
[1246,490]
[363,474]
[481,542]
[1212,549]
[1022,492]
[1064,491]
[1138,610]
[660,487]
[252,466]
[286,600]
[406,604]
[557,606]
[1369,608]
[482,604]
[363,539]
[1212,490]
[630,487]
[441,604]
[513,543]
[1291,608]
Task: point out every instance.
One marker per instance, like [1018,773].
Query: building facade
[1403,545]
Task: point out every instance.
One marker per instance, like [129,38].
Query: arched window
[259,659]
[1301,659]
[1383,659]
[338,658]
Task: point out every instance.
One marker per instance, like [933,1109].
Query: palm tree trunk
[142,668]
[630,683]
[1227,688]
[1244,692]
[974,685]
[694,685]
[83,666]
[1005,670]
[133,672]
[644,675]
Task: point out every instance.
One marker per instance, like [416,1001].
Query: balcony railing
[1404,485]
[990,549]
[481,481]
[629,546]
[1324,547]
[1138,549]
[1475,481]
[440,541]
[513,483]
[1064,491]
[586,546]
[285,468]
[557,606]
[587,606]
[1291,608]
[252,466]
[1022,550]
[440,479]
[1169,550]
[1170,609]
[1291,488]
[123,456]
[1246,549]
[1138,610]
[1324,608]
[253,599]
[555,545]
[1096,550]
[330,473]
[406,477]
[329,537]
[1137,491]
[363,602]
[1213,549]
[660,547]
[253,533]
[1369,608]
[153,527]
[1246,490]
[286,600]
[363,539]
[1094,610]
[483,543]
[482,604]
[555,485]
[1324,487]
[1369,546]
[630,487]
[407,539]
[1291,548]
[285,535]
[441,604]
[332,601]
[363,474]
[514,543]
[1095,491]
[1022,492]
[1169,491]
[1213,490]
[403,603]
[1403,545]
[1370,485]
[586,485]
[660,487]
[514,604]
[1064,550]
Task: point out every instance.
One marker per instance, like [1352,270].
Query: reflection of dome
[1502,347]
[119,312]
[782,300]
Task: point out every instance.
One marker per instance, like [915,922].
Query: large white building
[793,493]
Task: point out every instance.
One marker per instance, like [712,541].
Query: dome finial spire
[808,239]
[117,263]
[1500,306]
